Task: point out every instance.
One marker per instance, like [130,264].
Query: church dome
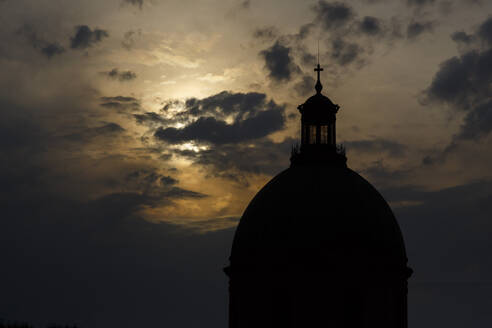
[318,244]
[322,216]
[319,101]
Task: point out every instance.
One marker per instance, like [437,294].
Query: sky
[134,133]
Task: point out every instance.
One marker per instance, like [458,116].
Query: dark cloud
[85,37]
[145,176]
[131,265]
[415,29]
[485,31]
[234,126]
[209,129]
[121,103]
[458,218]
[372,2]
[226,103]
[304,30]
[52,49]
[267,33]
[478,123]
[236,161]
[167,180]
[308,58]
[470,300]
[452,83]
[123,76]
[345,53]
[482,38]
[246,4]
[158,189]
[107,130]
[462,37]
[252,117]
[130,38]
[419,3]
[333,15]
[121,106]
[17,131]
[180,193]
[279,62]
[345,45]
[49,49]
[138,3]
[120,99]
[371,26]
[349,40]
[463,81]
[305,86]
[442,228]
[384,30]
[149,118]
[382,175]
[170,104]
[24,140]
[378,146]
[465,84]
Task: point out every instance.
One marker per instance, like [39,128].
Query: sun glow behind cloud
[191,146]
[183,63]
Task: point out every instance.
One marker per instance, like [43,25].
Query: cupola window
[324,134]
[312,134]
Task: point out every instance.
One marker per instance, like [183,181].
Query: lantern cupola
[318,129]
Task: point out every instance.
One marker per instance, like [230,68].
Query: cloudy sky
[133,133]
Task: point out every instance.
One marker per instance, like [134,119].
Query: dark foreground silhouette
[26,325]
[318,245]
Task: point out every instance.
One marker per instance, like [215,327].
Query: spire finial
[318,69]
[318,86]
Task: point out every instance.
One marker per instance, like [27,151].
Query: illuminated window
[324,134]
[312,134]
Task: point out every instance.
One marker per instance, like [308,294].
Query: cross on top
[318,86]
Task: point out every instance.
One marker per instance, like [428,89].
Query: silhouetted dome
[319,101]
[318,245]
[318,107]
[319,217]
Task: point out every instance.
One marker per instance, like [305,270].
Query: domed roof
[318,108]
[318,215]
[319,101]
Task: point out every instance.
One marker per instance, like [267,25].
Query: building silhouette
[318,245]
